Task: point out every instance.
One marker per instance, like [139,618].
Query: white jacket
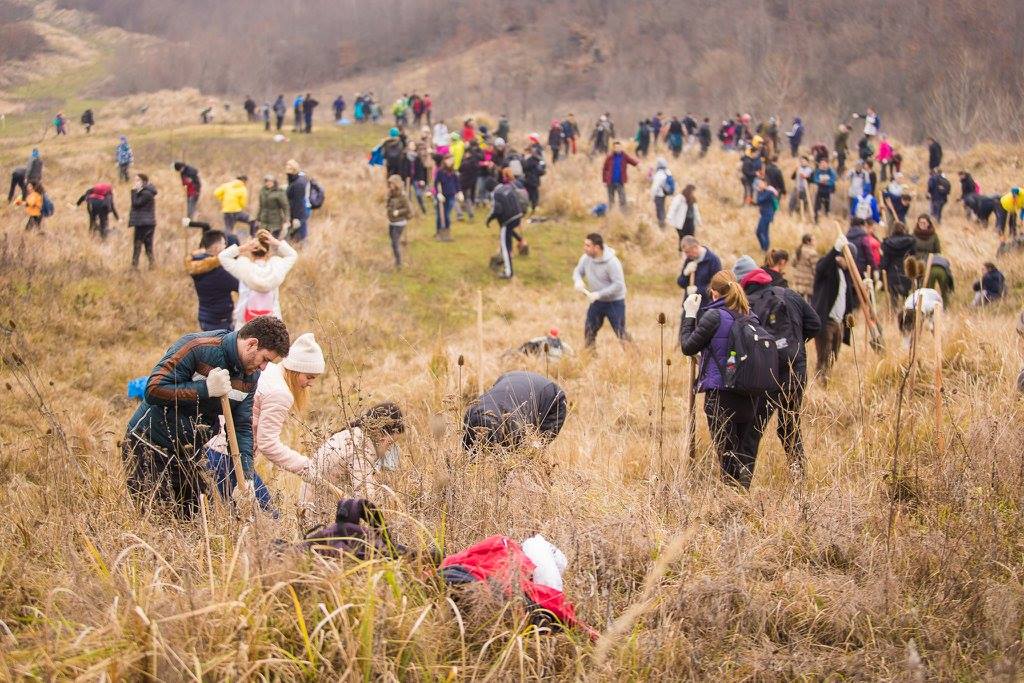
[258,281]
[676,215]
[658,182]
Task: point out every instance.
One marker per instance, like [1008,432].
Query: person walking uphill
[615,174]
[599,277]
[142,218]
[192,184]
[517,403]
[179,412]
[730,413]
[125,157]
[446,190]
[507,210]
[790,319]
[399,213]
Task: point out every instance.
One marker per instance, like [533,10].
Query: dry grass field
[894,559]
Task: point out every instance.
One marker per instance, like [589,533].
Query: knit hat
[393,132]
[305,356]
[291,166]
[661,163]
[744,266]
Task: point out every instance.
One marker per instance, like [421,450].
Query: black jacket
[192,174]
[213,288]
[858,236]
[34,174]
[533,169]
[934,155]
[967,186]
[806,324]
[773,176]
[143,211]
[518,400]
[826,288]
[297,187]
[895,250]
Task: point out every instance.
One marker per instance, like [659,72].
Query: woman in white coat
[683,214]
[260,265]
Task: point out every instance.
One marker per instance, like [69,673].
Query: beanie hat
[393,132]
[305,356]
[549,560]
[744,266]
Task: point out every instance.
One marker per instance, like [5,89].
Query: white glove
[580,287]
[592,296]
[841,243]
[440,198]
[692,289]
[691,305]
[460,197]
[218,383]
[185,221]
[246,491]
[690,268]
[296,223]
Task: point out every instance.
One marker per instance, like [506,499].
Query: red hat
[553,332]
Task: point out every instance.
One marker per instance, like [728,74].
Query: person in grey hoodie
[605,288]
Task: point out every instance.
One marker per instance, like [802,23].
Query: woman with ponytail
[730,414]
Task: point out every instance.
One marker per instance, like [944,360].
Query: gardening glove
[841,243]
[440,198]
[580,287]
[244,492]
[185,222]
[218,383]
[592,296]
[690,268]
[692,289]
[460,197]
[691,305]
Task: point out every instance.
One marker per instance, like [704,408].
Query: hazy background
[948,68]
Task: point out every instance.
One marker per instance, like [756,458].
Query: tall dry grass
[862,571]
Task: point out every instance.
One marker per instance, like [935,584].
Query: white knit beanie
[305,356]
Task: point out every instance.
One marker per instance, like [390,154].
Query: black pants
[143,238]
[34,222]
[174,479]
[122,171]
[822,203]
[506,234]
[17,183]
[1004,217]
[787,402]
[99,217]
[280,120]
[533,192]
[730,419]
[395,233]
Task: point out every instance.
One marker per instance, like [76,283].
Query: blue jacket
[766,203]
[824,179]
[213,288]
[178,415]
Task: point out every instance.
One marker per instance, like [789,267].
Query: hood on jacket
[608,254]
[856,232]
[924,233]
[900,242]
[756,277]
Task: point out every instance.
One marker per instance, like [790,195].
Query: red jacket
[501,560]
[606,172]
[876,250]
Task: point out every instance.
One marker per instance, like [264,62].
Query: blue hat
[35,153]
[600,210]
[393,132]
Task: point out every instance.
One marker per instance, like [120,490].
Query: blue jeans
[224,474]
[449,204]
[299,235]
[613,311]
[763,224]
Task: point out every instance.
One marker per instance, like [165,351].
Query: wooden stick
[937,336]
[858,287]
[691,425]
[229,425]
[480,342]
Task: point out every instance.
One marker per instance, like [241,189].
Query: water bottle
[730,368]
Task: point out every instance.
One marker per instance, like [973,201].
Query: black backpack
[943,186]
[769,305]
[316,194]
[756,366]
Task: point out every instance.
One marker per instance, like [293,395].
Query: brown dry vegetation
[868,570]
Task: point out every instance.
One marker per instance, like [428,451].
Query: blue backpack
[47,209]
[669,186]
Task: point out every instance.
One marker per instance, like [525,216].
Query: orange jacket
[33,204]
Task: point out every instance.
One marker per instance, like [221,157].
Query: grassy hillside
[893,560]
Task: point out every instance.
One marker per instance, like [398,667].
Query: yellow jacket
[33,204]
[233,196]
[457,150]
[1012,204]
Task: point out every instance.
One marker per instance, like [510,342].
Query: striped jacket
[177,414]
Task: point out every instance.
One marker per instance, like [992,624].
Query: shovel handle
[229,425]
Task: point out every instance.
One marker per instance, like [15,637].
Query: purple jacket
[710,337]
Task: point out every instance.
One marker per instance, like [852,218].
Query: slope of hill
[894,560]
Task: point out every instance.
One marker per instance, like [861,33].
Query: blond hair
[300,394]
[724,284]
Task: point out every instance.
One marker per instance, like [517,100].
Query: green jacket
[178,415]
[273,211]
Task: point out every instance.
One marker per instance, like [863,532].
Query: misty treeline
[943,67]
[18,38]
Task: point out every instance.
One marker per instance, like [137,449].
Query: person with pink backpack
[261,265]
